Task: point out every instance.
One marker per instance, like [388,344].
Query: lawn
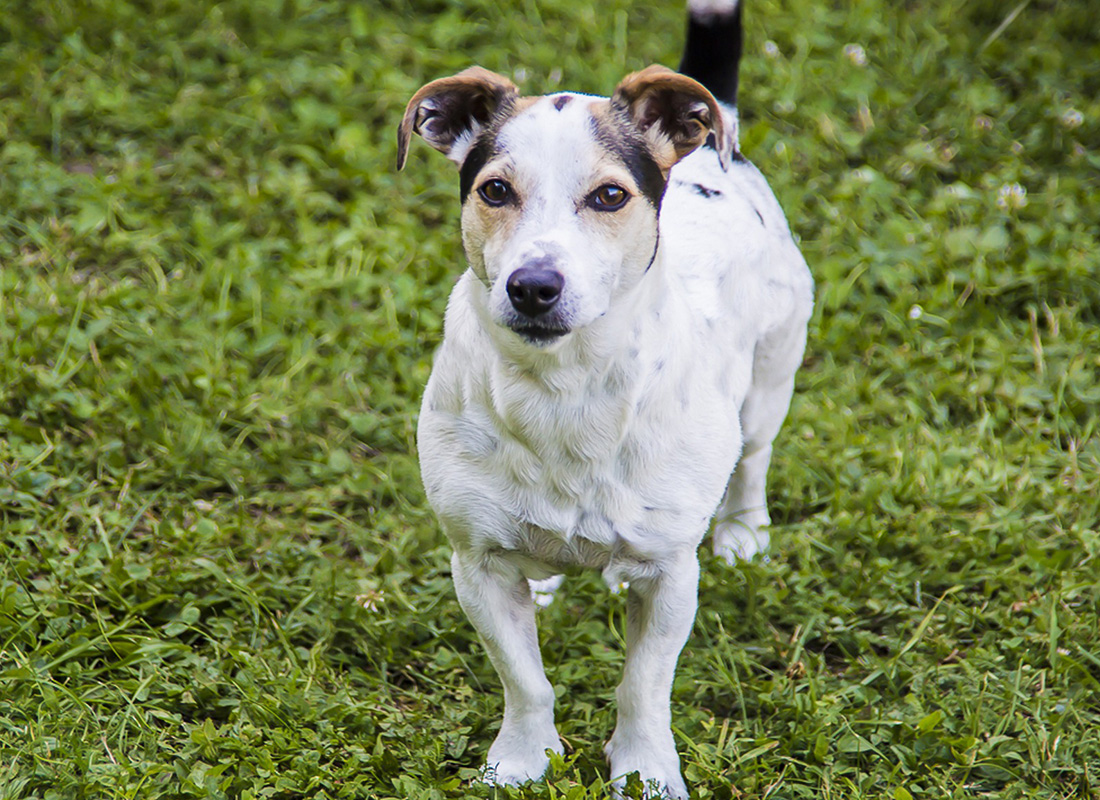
[218,305]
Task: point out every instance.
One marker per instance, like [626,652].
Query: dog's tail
[712,52]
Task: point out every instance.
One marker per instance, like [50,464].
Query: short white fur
[615,445]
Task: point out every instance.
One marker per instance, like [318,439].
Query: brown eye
[495,192]
[608,197]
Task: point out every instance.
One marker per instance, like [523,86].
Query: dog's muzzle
[534,292]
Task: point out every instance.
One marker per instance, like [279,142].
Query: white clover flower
[1011,195]
[783,107]
[916,312]
[771,49]
[856,54]
[864,174]
[1072,118]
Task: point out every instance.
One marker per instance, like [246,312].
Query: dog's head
[561,194]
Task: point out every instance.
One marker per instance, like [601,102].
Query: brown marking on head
[482,223]
[522,104]
[561,101]
[445,109]
[674,112]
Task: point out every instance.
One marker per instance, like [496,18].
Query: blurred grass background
[218,303]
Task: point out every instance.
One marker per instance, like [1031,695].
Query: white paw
[738,539]
[542,592]
[658,767]
[515,759]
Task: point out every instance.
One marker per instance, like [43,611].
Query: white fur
[612,447]
[709,8]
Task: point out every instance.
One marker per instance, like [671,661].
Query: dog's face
[560,194]
[561,198]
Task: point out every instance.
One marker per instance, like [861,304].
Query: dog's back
[727,234]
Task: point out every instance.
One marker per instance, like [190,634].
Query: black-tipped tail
[712,52]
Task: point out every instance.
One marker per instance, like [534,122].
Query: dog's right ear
[450,111]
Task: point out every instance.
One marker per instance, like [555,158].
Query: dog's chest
[566,456]
[607,462]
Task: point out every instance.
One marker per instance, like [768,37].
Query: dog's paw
[515,759]
[658,768]
[740,540]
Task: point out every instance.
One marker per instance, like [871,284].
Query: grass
[218,302]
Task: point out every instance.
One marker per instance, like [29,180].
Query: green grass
[218,303]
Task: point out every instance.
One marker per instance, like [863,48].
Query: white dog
[616,362]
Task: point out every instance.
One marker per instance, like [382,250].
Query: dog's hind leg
[660,613]
[497,599]
[742,518]
[740,526]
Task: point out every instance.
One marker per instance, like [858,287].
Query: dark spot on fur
[705,191]
[476,159]
[483,148]
[656,247]
[736,156]
[561,101]
[760,217]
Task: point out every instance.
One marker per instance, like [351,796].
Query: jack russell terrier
[616,361]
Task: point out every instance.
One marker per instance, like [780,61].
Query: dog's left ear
[675,112]
[446,110]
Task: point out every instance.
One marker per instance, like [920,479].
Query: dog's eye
[495,192]
[608,197]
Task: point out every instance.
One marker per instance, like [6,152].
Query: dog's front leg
[497,599]
[660,613]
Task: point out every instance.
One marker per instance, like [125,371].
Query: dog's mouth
[540,330]
[538,334]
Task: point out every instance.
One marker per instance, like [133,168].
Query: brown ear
[445,109]
[675,112]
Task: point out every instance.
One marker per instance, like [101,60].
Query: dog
[616,362]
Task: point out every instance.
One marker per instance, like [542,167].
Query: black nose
[534,290]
